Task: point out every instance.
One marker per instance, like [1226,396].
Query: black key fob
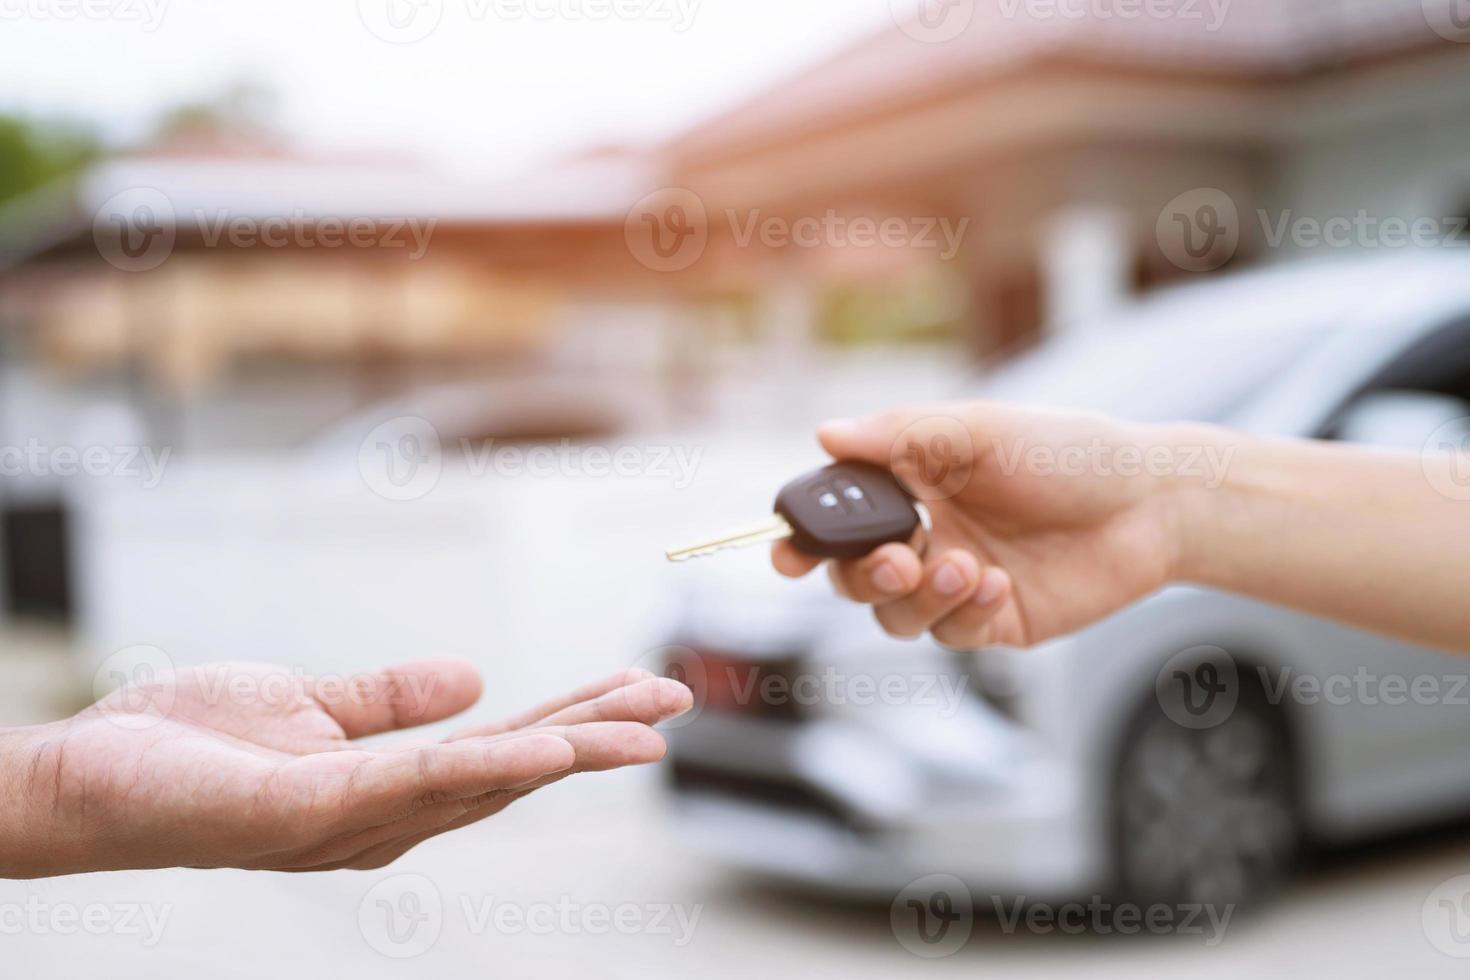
[847,510]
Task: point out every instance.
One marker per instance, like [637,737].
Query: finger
[371,858]
[597,752]
[398,697]
[949,580]
[601,746]
[890,573]
[972,624]
[649,701]
[423,823]
[790,562]
[399,843]
[388,786]
[386,852]
[588,692]
[598,747]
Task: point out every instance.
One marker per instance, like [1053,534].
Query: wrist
[1194,495]
[25,847]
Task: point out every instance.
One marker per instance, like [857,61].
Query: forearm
[1352,534]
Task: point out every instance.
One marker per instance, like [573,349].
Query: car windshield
[1152,373]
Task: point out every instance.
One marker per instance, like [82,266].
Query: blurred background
[339,335]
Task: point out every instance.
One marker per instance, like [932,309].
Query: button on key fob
[842,511]
[846,511]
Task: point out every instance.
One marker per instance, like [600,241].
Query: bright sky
[497,85]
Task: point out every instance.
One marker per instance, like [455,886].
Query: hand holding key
[845,510]
[1022,548]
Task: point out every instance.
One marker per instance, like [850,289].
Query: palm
[1074,552]
[248,765]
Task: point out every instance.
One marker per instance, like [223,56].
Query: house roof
[597,187]
[1249,39]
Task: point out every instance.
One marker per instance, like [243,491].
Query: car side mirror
[1399,419]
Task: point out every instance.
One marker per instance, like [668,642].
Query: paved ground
[581,881]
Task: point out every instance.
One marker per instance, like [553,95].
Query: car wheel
[1205,815]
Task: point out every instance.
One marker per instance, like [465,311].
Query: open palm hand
[255,766]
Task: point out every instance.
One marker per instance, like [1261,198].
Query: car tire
[1205,815]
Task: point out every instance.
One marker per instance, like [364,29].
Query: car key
[845,510]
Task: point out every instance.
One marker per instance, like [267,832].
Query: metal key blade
[775,529]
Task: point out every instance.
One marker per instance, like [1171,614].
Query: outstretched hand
[1042,521]
[1045,521]
[252,766]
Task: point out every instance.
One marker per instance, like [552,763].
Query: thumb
[927,447]
[866,440]
[852,439]
[884,438]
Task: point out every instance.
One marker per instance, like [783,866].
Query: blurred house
[1063,136]
[1045,140]
[261,283]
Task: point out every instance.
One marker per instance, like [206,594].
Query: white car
[1188,747]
